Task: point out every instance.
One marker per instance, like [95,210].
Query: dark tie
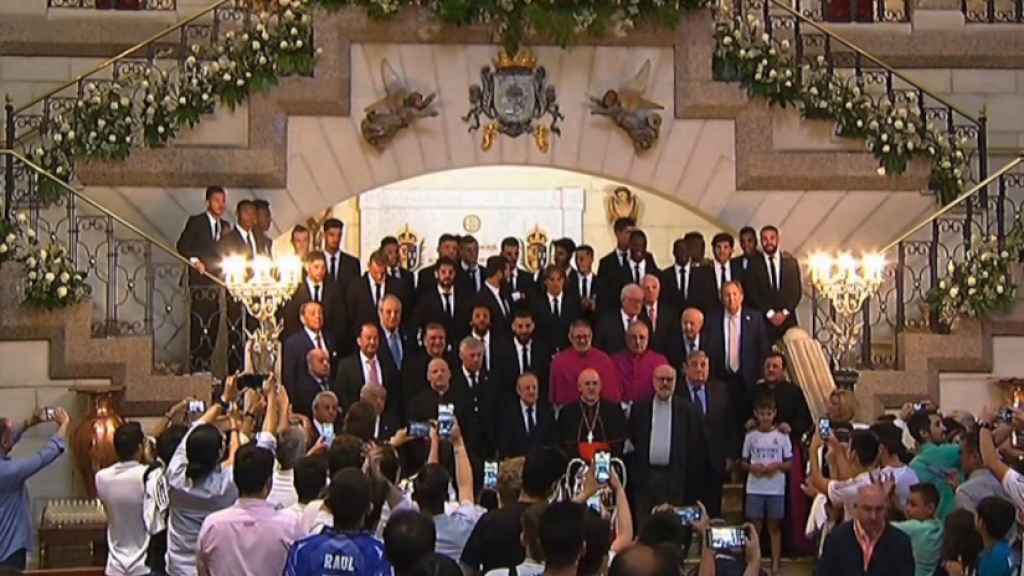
[316,293]
[698,400]
[531,421]
[396,348]
[252,245]
[682,282]
[472,381]
[376,296]
[586,287]
[216,231]
[472,277]
[334,267]
[447,303]
[636,272]
[555,309]
[622,258]
[319,341]
[771,271]
[524,360]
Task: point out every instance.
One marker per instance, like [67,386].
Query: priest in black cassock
[793,417]
[591,425]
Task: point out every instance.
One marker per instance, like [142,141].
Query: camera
[254,381]
[1006,415]
[445,420]
[49,414]
[419,430]
[727,537]
[602,467]
[688,515]
[196,407]
[825,428]
[327,433]
[491,475]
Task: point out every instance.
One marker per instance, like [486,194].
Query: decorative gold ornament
[471,223]
[490,133]
[541,135]
[522,59]
[536,249]
[622,203]
[410,249]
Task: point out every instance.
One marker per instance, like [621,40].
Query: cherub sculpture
[398,109]
[628,108]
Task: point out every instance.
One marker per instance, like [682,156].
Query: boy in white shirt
[120,488]
[767,457]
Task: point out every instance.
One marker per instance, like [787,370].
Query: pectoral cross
[590,437]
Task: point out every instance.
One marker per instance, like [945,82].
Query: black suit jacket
[763,297]
[350,380]
[718,422]
[499,353]
[610,273]
[481,403]
[429,308]
[540,365]
[571,430]
[333,305]
[303,390]
[414,379]
[196,241]
[699,292]
[678,347]
[842,556]
[754,345]
[405,288]
[523,285]
[501,322]
[349,269]
[555,331]
[512,438]
[666,326]
[232,244]
[293,357]
[408,343]
[686,447]
[610,333]
[359,301]
[466,283]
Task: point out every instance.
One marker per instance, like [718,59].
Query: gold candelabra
[263,286]
[846,282]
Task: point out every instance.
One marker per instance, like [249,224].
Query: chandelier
[846,282]
[263,286]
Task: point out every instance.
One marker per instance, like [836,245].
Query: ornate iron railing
[127,5]
[140,284]
[993,11]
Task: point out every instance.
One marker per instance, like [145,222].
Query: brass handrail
[825,30]
[125,53]
[170,250]
[959,199]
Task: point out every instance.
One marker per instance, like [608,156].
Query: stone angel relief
[622,203]
[628,108]
[398,109]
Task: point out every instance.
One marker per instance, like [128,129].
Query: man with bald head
[314,379]
[365,367]
[668,442]
[423,407]
[610,335]
[868,544]
[591,424]
[662,317]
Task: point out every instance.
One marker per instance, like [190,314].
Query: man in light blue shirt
[15,511]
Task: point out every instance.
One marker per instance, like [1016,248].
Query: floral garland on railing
[894,132]
[150,108]
[517,20]
[981,284]
[51,279]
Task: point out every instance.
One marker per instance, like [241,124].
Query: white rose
[898,124]
[910,146]
[1004,254]
[205,97]
[78,277]
[256,45]
[182,101]
[999,289]
[951,267]
[263,60]
[227,77]
[112,138]
[954,291]
[881,171]
[319,51]
[885,137]
[860,123]
[58,138]
[284,44]
[32,276]
[113,106]
[71,135]
[299,43]
[160,130]
[30,233]
[43,254]
[971,281]
[3,248]
[62,292]
[942,284]
[65,277]
[31,262]
[50,277]
[886,149]
[294,31]
[727,40]
[240,82]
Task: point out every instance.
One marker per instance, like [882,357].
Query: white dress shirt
[590,285]
[313,335]
[312,290]
[214,222]
[526,415]
[633,267]
[683,277]
[722,274]
[626,319]
[497,296]
[768,265]
[486,339]
[366,362]
[447,299]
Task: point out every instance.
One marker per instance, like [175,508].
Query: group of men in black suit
[482,337]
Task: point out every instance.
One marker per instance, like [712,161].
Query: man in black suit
[293,357]
[386,421]
[423,407]
[611,328]
[685,284]
[582,282]
[492,294]
[402,279]
[341,267]
[724,267]
[414,373]
[748,245]
[396,342]
[661,317]
[641,262]
[612,266]
[668,442]
[591,424]
[314,288]
[301,241]
[532,355]
[316,378]
[447,247]
[470,276]
[526,423]
[364,367]
[563,250]
[710,400]
[892,553]
[519,284]
[445,303]
[737,342]
[198,242]
[480,393]
[244,241]
[365,295]
[554,309]
[792,416]
[497,347]
[688,337]
[774,283]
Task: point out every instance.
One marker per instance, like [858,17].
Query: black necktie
[472,381]
[636,272]
[771,271]
[586,288]
[319,341]
[252,245]
[334,267]
[524,360]
[472,277]
[554,308]
[697,403]
[682,281]
[531,421]
[376,297]
[216,231]
[447,303]
[316,293]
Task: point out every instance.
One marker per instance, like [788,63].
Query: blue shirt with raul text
[332,553]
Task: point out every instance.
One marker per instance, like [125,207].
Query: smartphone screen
[196,406]
[445,419]
[49,414]
[602,467]
[688,515]
[491,475]
[825,428]
[727,537]
[419,429]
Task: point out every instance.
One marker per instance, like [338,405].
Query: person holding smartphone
[15,507]
[727,562]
